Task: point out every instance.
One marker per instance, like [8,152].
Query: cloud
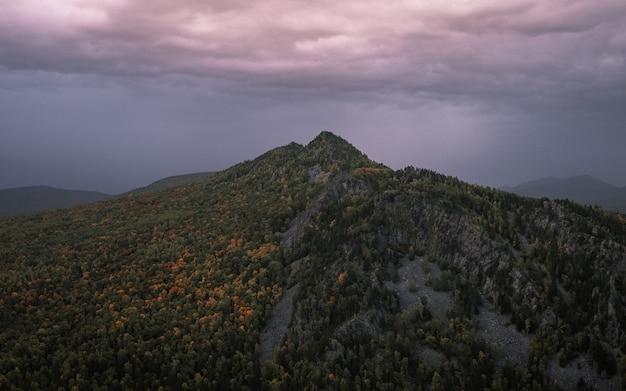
[467,87]
[476,49]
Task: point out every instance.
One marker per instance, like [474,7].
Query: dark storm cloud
[494,92]
[465,47]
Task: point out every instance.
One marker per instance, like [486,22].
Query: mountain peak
[326,136]
[328,148]
[328,139]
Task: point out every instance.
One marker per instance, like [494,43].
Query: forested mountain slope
[395,279]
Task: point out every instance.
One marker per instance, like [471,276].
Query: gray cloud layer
[483,89]
[465,47]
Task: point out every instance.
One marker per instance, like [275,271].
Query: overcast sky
[110,95]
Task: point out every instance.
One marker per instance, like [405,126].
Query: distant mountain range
[584,189]
[29,199]
[172,181]
[22,200]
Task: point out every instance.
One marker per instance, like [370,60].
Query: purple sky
[111,95]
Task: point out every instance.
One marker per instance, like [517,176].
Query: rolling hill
[17,201]
[584,189]
[313,267]
[171,181]
[30,199]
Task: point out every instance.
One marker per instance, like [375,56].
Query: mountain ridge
[394,279]
[170,181]
[29,199]
[584,189]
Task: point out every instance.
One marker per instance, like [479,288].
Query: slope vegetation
[313,267]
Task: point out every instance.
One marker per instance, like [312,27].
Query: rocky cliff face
[546,277]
